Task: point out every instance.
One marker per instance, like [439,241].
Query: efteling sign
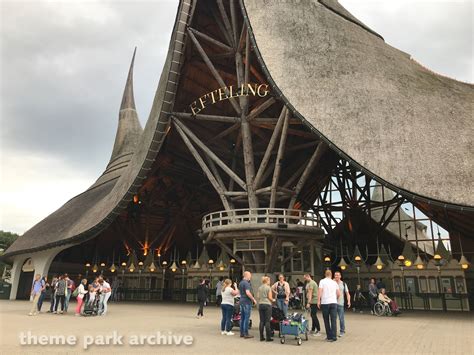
[226,93]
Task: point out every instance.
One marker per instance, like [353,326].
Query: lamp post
[327,262]
[210,264]
[163,268]
[183,270]
[232,266]
[88,265]
[438,261]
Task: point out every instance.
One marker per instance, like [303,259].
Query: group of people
[62,288]
[331,296]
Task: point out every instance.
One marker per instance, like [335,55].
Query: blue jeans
[330,319]
[282,305]
[340,313]
[66,301]
[245,310]
[226,322]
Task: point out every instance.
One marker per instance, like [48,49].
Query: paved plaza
[411,333]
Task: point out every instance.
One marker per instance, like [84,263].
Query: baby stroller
[91,307]
[296,326]
[236,316]
[277,317]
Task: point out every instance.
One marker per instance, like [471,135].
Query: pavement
[127,325]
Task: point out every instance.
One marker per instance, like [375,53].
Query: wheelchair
[382,309]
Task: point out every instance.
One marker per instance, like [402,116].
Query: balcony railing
[278,217]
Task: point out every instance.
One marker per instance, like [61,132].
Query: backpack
[76,292]
[281,291]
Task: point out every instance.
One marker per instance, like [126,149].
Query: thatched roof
[364,97]
[401,122]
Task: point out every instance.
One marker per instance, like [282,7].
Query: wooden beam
[213,70]
[279,158]
[318,152]
[249,165]
[212,40]
[260,108]
[268,151]
[210,153]
[225,18]
[201,117]
[229,251]
[233,17]
[203,166]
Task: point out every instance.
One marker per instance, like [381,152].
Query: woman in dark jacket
[202,295]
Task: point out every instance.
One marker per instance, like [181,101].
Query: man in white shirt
[105,292]
[327,301]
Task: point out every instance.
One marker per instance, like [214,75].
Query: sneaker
[316,333]
[30,314]
[61,312]
[271,339]
[55,312]
[229,333]
[262,339]
[248,336]
[223,332]
[341,334]
[35,313]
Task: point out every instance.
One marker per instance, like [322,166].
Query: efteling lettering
[227,92]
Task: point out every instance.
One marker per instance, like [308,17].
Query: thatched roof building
[373,105]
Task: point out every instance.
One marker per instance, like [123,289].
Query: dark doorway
[24,285]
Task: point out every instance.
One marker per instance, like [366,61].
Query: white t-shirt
[227,297]
[329,288]
[104,287]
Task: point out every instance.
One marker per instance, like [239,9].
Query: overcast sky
[63,67]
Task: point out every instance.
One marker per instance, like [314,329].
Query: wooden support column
[318,153]
[279,158]
[268,151]
[204,167]
[247,136]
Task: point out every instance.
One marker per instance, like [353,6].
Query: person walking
[373,294]
[312,304]
[282,291]
[219,291]
[265,300]
[344,290]
[36,288]
[246,301]
[358,300]
[81,292]
[61,287]
[328,294]
[45,289]
[53,294]
[69,290]
[105,292]
[202,295]
[227,305]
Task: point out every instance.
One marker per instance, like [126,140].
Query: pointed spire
[128,99]
[129,129]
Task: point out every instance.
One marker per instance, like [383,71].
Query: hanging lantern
[221,266]
[327,259]
[113,268]
[464,263]
[88,264]
[102,264]
[379,264]
[152,267]
[419,264]
[342,264]
[124,264]
[131,268]
[174,267]
[95,268]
